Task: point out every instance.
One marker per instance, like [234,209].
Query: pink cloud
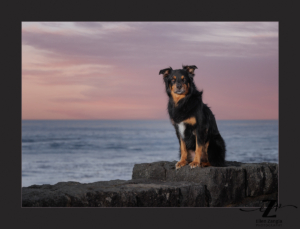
[100,70]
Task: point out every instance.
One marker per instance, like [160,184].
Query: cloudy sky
[109,70]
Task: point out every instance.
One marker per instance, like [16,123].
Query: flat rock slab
[225,186]
[116,193]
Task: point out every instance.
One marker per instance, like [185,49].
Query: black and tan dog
[200,141]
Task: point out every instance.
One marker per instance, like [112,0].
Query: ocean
[99,150]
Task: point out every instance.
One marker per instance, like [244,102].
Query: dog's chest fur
[181,128]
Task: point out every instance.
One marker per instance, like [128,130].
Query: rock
[159,184]
[225,185]
[261,178]
[116,193]
[155,170]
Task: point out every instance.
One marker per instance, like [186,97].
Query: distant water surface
[98,150]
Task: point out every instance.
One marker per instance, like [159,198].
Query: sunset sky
[109,70]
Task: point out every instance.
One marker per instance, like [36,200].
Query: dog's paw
[194,164]
[180,164]
[204,164]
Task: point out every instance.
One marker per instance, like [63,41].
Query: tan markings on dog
[191,121]
[174,77]
[206,146]
[182,77]
[166,73]
[173,87]
[204,159]
[205,164]
[198,152]
[177,97]
[172,121]
[190,70]
[184,153]
[183,150]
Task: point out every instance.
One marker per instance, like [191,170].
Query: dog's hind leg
[204,156]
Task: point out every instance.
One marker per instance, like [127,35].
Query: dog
[200,142]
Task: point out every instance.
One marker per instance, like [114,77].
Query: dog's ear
[165,71]
[190,69]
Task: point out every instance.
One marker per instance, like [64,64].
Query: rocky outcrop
[225,186]
[116,193]
[159,184]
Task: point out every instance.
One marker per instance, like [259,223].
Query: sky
[109,70]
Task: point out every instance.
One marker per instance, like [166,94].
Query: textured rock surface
[116,193]
[225,185]
[159,184]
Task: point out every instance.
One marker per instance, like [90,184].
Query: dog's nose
[179,86]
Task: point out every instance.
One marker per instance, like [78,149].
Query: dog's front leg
[183,158]
[198,153]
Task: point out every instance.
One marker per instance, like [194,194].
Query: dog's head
[179,81]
